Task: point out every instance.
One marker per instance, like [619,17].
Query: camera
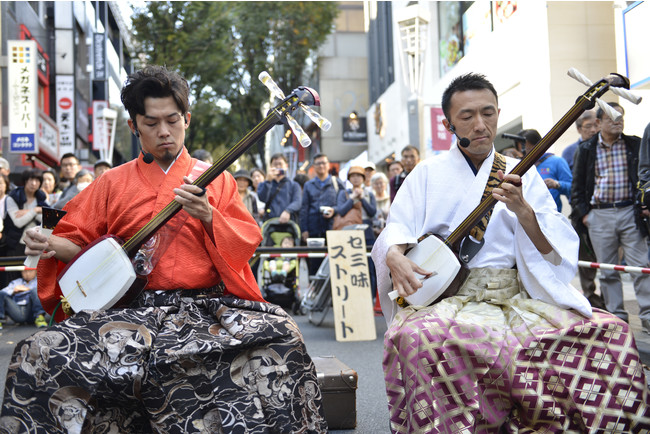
[281,172]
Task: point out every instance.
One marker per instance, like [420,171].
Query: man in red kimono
[198,349]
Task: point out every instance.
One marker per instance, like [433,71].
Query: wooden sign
[354,319]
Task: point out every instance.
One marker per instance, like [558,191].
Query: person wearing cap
[4,167]
[100,167]
[358,196]
[370,170]
[245,190]
[5,170]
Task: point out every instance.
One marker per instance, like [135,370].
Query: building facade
[524,48]
[83,53]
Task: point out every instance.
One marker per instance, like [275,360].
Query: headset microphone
[146,156]
[462,141]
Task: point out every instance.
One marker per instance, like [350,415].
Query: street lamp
[413,22]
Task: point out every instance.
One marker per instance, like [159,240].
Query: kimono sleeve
[236,236]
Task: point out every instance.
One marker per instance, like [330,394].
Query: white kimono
[443,190]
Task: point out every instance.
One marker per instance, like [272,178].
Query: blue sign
[23,143]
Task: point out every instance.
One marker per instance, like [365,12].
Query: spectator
[318,201]
[370,170]
[379,184]
[203,155]
[283,270]
[605,174]
[24,210]
[282,196]
[5,169]
[82,179]
[364,202]
[358,197]
[100,167]
[395,167]
[301,179]
[258,175]
[553,169]
[20,301]
[245,190]
[410,159]
[50,186]
[69,167]
[587,126]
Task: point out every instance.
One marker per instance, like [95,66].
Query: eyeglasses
[321,163]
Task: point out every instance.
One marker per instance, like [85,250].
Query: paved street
[363,357]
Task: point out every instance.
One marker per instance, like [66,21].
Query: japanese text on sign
[23,103]
[350,281]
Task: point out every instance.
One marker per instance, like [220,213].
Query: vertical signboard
[440,138]
[23,96]
[99,56]
[100,127]
[48,136]
[65,113]
[354,319]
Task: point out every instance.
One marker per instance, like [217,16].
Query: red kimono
[126,197]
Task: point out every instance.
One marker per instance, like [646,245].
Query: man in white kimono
[517,348]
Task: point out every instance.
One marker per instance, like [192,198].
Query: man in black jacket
[602,198]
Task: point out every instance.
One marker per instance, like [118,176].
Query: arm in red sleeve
[236,236]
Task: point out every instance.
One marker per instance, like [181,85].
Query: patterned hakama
[494,360]
[173,364]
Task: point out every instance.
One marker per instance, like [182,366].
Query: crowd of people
[21,208]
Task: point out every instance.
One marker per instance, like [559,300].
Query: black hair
[257,169]
[69,155]
[279,156]
[154,82]
[532,136]
[301,178]
[410,148]
[464,83]
[32,173]
[588,114]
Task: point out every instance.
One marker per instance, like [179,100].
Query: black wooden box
[338,385]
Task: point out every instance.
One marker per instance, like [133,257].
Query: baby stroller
[278,276]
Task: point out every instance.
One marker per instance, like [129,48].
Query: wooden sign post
[354,319]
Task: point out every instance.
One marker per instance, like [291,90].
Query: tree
[221,47]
